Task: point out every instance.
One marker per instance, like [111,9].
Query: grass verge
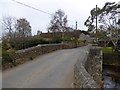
[107,50]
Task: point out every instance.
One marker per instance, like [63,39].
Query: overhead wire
[36,8]
[32,7]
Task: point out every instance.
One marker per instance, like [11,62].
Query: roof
[74,33]
[85,32]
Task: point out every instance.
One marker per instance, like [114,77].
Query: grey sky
[76,10]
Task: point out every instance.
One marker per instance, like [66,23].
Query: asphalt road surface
[53,70]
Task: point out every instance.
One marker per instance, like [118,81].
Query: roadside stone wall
[93,65]
[31,53]
[88,70]
[22,56]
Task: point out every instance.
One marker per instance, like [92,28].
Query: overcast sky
[76,10]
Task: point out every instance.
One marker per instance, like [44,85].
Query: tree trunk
[116,48]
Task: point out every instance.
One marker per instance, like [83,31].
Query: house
[68,34]
[85,36]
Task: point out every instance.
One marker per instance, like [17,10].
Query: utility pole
[76,25]
[96,24]
[63,33]
[96,18]
[76,35]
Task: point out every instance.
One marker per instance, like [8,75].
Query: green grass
[0,50]
[0,54]
[107,50]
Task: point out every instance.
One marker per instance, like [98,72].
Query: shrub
[22,42]
[7,57]
[56,40]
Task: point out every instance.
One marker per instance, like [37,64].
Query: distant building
[67,34]
[85,37]
[39,32]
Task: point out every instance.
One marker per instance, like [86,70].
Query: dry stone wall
[93,65]
[30,53]
[84,74]
[22,56]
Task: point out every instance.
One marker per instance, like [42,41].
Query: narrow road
[53,70]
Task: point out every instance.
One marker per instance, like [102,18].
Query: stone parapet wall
[33,52]
[22,56]
[93,65]
[84,73]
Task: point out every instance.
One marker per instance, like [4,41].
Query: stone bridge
[78,68]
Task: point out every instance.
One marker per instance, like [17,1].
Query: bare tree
[58,22]
[8,26]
